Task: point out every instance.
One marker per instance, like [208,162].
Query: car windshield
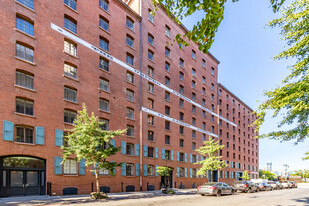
[209,184]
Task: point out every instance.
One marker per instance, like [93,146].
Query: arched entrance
[22,175]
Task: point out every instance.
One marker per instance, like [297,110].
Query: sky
[245,47]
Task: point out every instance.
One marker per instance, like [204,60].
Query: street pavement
[286,197]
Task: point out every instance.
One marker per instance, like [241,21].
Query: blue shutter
[185,172]
[178,156]
[190,158]
[163,154]
[39,135]
[145,151]
[177,174]
[145,170]
[137,149]
[196,173]
[58,137]
[113,143]
[58,165]
[202,158]
[93,173]
[156,173]
[197,158]
[8,131]
[114,167]
[156,152]
[172,155]
[190,172]
[123,147]
[232,175]
[186,157]
[136,169]
[123,169]
[226,174]
[82,167]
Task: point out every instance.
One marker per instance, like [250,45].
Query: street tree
[245,175]
[164,172]
[88,142]
[263,174]
[213,161]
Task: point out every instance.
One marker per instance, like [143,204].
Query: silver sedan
[215,188]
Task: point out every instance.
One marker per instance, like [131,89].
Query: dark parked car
[265,186]
[215,188]
[245,186]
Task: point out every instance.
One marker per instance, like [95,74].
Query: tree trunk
[96,177]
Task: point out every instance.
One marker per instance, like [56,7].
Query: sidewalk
[62,200]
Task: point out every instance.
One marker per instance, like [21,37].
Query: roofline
[219,84]
[130,9]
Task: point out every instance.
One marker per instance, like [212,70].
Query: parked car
[245,186]
[293,184]
[215,188]
[279,185]
[286,184]
[264,186]
[273,184]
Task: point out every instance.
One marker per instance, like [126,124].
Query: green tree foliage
[291,97]
[203,32]
[88,141]
[245,175]
[212,161]
[302,173]
[164,172]
[268,175]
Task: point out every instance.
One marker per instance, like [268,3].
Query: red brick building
[113,56]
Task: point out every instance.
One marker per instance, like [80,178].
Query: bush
[170,191]
[98,195]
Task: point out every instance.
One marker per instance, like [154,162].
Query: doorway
[169,180]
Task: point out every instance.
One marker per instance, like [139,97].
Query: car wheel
[249,190]
[232,192]
[203,194]
[257,190]
[219,193]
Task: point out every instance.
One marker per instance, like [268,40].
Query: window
[104,105]
[212,129]
[70,167]
[212,71]
[181,103]
[193,109]
[203,90]
[181,62]
[193,121]
[167,125]
[150,71]
[70,24]
[27,3]
[150,170]
[104,44]
[212,97]
[130,23]
[24,52]
[105,124]
[204,114]
[150,39]
[150,87]
[181,172]
[150,16]
[104,64]
[194,72]
[70,94]
[181,89]
[150,55]
[104,4]
[167,81]
[130,113]
[193,54]
[150,152]
[130,131]
[204,137]
[167,155]
[181,129]
[130,95]
[70,47]
[203,80]
[24,106]
[167,66]
[104,85]
[103,172]
[212,107]
[130,149]
[129,59]
[167,52]
[167,96]
[71,3]
[25,25]
[204,102]
[150,104]
[193,158]
[167,110]
[167,139]
[150,135]
[203,63]
[167,31]
[193,96]
[181,157]
[181,116]
[181,76]
[69,116]
[193,145]
[130,77]
[212,87]
[24,80]
[193,84]
[70,71]
[129,169]
[193,134]
[181,143]
[204,125]
[130,41]
[150,120]
[220,92]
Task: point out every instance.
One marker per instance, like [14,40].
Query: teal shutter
[82,167]
[177,174]
[137,149]
[8,131]
[93,173]
[123,169]
[190,158]
[172,155]
[113,143]
[185,172]
[145,170]
[58,137]
[202,158]
[197,158]
[163,154]
[123,147]
[196,173]
[58,165]
[156,173]
[186,157]
[136,169]
[156,152]
[145,151]
[232,175]
[226,174]
[39,135]
[190,172]
[114,167]
[178,156]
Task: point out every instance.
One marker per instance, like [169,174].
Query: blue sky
[245,46]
